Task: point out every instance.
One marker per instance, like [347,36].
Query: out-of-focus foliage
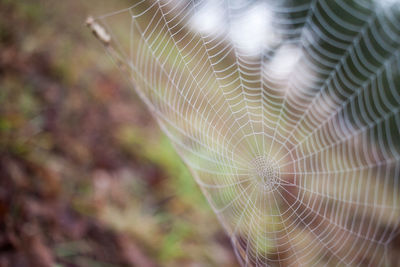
[86,177]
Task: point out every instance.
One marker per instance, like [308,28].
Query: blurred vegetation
[86,177]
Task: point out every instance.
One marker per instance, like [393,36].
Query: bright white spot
[250,30]
[253,30]
[284,61]
[387,3]
[208,18]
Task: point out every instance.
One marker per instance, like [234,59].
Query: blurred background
[86,176]
[88,179]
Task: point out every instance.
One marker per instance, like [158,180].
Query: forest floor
[86,177]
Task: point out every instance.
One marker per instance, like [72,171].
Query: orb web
[266,172]
[286,113]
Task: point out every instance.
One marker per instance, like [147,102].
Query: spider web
[287,115]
